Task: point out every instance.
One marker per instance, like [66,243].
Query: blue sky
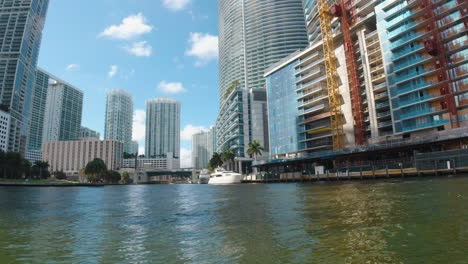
[150,48]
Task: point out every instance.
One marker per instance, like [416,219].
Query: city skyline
[182,66]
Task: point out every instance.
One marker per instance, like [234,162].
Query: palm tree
[215,161]
[228,156]
[255,149]
[42,167]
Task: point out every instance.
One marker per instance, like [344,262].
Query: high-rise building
[134,148]
[88,133]
[253,36]
[4,130]
[119,118]
[425,55]
[211,141]
[402,77]
[39,100]
[63,112]
[21,24]
[162,128]
[200,150]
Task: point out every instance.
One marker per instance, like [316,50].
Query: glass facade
[63,111]
[162,128]
[426,68]
[21,24]
[38,110]
[253,35]
[119,118]
[282,111]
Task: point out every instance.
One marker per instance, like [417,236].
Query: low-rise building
[72,156]
[168,163]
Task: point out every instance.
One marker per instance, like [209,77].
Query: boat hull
[203,180]
[230,179]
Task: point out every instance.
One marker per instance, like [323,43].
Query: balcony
[380,86]
[415,101]
[312,74]
[413,37]
[382,105]
[313,109]
[313,100]
[310,83]
[418,113]
[383,114]
[384,124]
[381,95]
[417,60]
[405,77]
[407,52]
[424,126]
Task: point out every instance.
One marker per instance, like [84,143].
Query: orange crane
[356,99]
[334,97]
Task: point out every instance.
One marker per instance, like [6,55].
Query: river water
[420,221]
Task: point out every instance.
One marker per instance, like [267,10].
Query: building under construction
[376,73]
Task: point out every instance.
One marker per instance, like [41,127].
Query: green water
[424,221]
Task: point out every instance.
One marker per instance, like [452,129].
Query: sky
[149,48]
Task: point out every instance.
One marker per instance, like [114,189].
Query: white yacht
[221,176]
[204,177]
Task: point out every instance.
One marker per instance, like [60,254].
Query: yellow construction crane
[334,97]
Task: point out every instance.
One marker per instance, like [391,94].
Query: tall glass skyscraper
[253,35]
[162,128]
[63,112]
[203,145]
[37,115]
[21,24]
[119,118]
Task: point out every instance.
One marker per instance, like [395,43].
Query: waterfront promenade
[355,174]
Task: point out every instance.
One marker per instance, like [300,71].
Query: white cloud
[113,70]
[140,49]
[72,67]
[176,5]
[189,130]
[204,47]
[139,127]
[171,87]
[185,158]
[131,26]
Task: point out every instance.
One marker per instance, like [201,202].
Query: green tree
[125,179]
[96,171]
[25,168]
[228,156]
[112,176]
[255,149]
[234,85]
[40,169]
[215,161]
[60,175]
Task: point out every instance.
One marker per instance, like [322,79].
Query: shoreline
[26,184]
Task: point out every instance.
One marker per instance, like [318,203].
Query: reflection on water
[381,222]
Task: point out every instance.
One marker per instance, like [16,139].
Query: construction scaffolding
[356,100]
[334,97]
[434,45]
